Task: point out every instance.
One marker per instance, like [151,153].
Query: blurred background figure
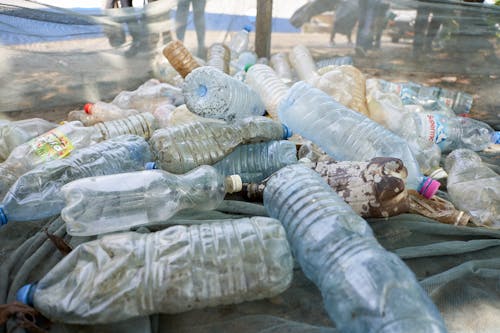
[371,23]
[346,16]
[181,16]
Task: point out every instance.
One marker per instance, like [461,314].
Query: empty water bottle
[254,162]
[98,205]
[175,270]
[15,133]
[100,111]
[279,62]
[62,140]
[167,115]
[239,41]
[219,56]
[245,60]
[303,63]
[346,134]
[211,93]
[180,57]
[271,89]
[36,194]
[473,187]
[182,148]
[365,288]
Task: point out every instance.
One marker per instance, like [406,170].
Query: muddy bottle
[171,271]
[180,57]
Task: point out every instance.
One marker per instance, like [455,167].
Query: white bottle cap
[233,184]
[439,174]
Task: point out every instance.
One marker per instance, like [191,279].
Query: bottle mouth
[287,132]
[25,294]
[202,90]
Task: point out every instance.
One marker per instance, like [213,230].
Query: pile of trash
[215,182]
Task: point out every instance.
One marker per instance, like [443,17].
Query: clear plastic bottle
[334,61]
[36,194]
[181,148]
[174,270]
[98,205]
[244,61]
[254,162]
[180,58]
[211,93]
[100,111]
[473,187]
[347,135]
[168,115]
[279,62]
[219,56]
[271,89]
[239,41]
[365,288]
[303,63]
[62,140]
[15,133]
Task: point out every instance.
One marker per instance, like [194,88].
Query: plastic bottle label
[52,145]
[435,130]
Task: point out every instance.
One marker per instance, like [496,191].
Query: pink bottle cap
[88,108]
[429,187]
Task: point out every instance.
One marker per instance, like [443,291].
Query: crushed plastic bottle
[99,205]
[180,58]
[167,115]
[239,41]
[36,194]
[15,133]
[210,93]
[279,62]
[174,270]
[254,162]
[347,135]
[182,148]
[473,187]
[365,288]
[62,140]
[219,56]
[99,112]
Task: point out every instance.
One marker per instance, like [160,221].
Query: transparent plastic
[100,111]
[167,115]
[211,93]
[239,41]
[219,56]
[346,134]
[243,61]
[279,62]
[181,148]
[15,133]
[180,57]
[334,61]
[254,162]
[364,287]
[473,187]
[303,63]
[271,89]
[61,141]
[36,194]
[99,205]
[175,270]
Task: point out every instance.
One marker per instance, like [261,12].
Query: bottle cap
[287,132]
[439,173]
[247,27]
[495,137]
[88,108]
[3,217]
[247,66]
[151,166]
[233,184]
[25,294]
[429,187]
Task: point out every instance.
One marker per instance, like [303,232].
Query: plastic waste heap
[98,205]
[211,93]
[178,269]
[347,135]
[365,288]
[62,140]
[474,187]
[37,193]
[181,148]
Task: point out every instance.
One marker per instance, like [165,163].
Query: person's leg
[126,3]
[199,24]
[420,28]
[181,16]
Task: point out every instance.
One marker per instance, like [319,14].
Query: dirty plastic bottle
[168,115]
[98,205]
[473,187]
[347,135]
[239,41]
[15,133]
[182,148]
[365,288]
[100,111]
[279,62]
[334,61]
[303,63]
[271,89]
[180,58]
[219,56]
[62,140]
[254,162]
[171,271]
[36,194]
[210,93]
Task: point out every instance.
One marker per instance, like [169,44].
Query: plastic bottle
[15,133]
[100,111]
[210,93]
[271,89]
[62,140]
[365,288]
[279,62]
[254,162]
[347,135]
[174,270]
[180,57]
[103,204]
[244,61]
[473,187]
[36,194]
[219,56]
[181,148]
[303,63]
[334,61]
[168,115]
[239,41]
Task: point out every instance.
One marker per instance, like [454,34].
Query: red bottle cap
[88,108]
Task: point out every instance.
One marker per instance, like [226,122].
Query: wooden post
[263,28]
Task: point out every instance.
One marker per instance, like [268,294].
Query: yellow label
[52,145]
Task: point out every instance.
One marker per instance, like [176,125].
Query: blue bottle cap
[150,166]
[3,217]
[25,294]
[287,132]
[495,137]
[247,27]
